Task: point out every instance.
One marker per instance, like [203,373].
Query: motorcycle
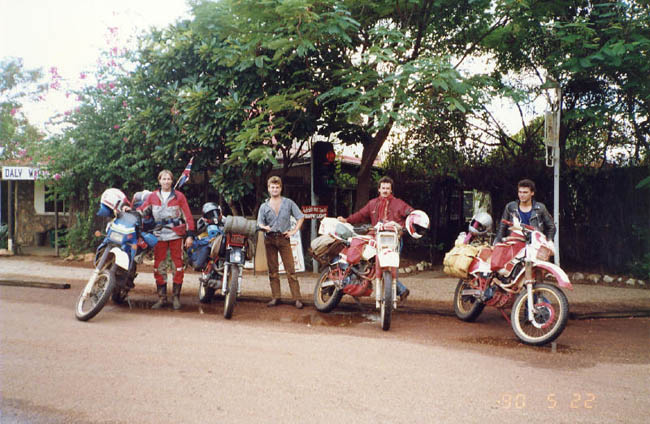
[354,260]
[229,250]
[116,258]
[511,275]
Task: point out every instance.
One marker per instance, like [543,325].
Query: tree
[598,53]
[402,55]
[17,85]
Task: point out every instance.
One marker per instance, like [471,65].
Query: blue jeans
[401,288]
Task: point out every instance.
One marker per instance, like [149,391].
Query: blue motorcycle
[116,259]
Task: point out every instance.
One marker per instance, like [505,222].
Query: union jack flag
[185,175]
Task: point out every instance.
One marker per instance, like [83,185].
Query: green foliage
[598,53]
[640,266]
[80,238]
[343,179]
[18,137]
[4,235]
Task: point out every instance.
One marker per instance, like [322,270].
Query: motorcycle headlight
[116,237]
[235,256]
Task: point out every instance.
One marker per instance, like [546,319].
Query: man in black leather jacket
[528,211]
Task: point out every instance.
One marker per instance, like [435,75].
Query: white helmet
[417,223]
[139,198]
[480,224]
[112,201]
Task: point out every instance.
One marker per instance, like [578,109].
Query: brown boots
[162,297]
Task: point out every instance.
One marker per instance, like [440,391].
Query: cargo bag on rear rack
[324,248]
[458,260]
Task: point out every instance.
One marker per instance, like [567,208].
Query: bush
[4,233]
[80,237]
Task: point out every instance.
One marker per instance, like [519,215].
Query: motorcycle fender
[559,274]
[388,259]
[121,258]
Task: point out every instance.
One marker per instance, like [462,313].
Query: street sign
[314,212]
[19,173]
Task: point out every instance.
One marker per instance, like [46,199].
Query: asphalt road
[287,365]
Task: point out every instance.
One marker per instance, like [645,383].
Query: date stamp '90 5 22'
[577,400]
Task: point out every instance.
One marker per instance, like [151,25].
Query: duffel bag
[458,260]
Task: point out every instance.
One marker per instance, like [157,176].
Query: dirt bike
[353,261]
[511,275]
[224,268]
[116,259]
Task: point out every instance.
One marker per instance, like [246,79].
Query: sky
[70,35]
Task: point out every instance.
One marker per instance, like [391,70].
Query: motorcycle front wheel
[550,315]
[96,295]
[326,297]
[466,307]
[386,301]
[231,294]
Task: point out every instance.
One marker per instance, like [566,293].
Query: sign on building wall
[19,173]
[314,212]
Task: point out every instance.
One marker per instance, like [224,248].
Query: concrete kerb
[432,292]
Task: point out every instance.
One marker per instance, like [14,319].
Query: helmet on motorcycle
[417,223]
[480,224]
[211,211]
[139,198]
[111,202]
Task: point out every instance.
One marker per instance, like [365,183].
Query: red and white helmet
[114,200]
[417,223]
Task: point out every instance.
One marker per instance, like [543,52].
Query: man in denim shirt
[274,217]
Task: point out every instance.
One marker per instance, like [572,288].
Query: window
[43,203]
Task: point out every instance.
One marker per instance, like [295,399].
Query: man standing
[274,217]
[174,224]
[386,207]
[527,211]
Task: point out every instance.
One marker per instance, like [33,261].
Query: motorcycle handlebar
[525,226]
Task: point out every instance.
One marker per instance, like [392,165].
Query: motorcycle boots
[162,296]
[176,301]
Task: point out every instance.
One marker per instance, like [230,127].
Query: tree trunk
[370,152]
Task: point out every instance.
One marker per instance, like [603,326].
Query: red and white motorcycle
[354,261]
[512,275]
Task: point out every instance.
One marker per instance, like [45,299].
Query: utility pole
[314,202]
[552,141]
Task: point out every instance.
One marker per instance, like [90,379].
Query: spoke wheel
[95,295]
[231,294]
[386,310]
[326,295]
[466,307]
[550,315]
[206,293]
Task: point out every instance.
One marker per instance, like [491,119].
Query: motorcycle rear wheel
[206,293]
[100,290]
[386,308]
[326,298]
[467,308]
[119,296]
[231,295]
[550,315]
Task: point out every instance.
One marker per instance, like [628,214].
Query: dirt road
[287,365]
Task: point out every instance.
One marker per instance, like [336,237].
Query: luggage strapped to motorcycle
[457,261]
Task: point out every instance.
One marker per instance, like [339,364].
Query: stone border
[419,267]
[606,280]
